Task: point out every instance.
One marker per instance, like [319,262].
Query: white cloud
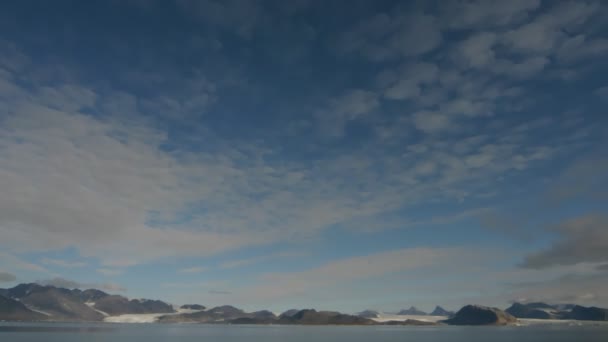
[544,33]
[240,17]
[254,260]
[6,277]
[583,239]
[485,13]
[110,271]
[339,275]
[71,284]
[602,93]
[477,50]
[73,180]
[406,83]
[389,36]
[63,263]
[10,261]
[352,105]
[107,185]
[580,47]
[196,269]
[431,122]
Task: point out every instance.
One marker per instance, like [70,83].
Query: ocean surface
[54,332]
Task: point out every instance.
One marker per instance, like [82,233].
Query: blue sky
[328,154]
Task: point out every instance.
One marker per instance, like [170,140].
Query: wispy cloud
[71,284]
[284,284]
[7,277]
[254,260]
[219,292]
[110,271]
[14,262]
[583,239]
[63,263]
[197,269]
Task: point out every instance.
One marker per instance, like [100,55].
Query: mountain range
[34,302]
[563,311]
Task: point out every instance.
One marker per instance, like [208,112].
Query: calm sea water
[201,333]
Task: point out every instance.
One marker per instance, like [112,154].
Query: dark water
[157,333]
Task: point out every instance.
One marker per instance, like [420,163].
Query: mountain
[217,314]
[231,315]
[562,311]
[226,311]
[369,314]
[564,307]
[289,313]
[264,314]
[533,310]
[480,315]
[439,311]
[258,317]
[60,304]
[412,311]
[115,305]
[57,304]
[192,307]
[588,314]
[313,317]
[12,310]
[34,302]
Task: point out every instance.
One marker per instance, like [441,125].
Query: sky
[338,155]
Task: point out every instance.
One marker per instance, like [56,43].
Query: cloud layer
[239,140]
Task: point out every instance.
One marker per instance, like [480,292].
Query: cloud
[6,277]
[457,14]
[581,47]
[110,271]
[477,50]
[14,262]
[219,292]
[96,169]
[388,36]
[192,270]
[71,284]
[102,174]
[583,179]
[577,288]
[63,263]
[602,93]
[544,33]
[603,267]
[582,239]
[355,269]
[239,17]
[431,122]
[250,261]
[350,106]
[407,82]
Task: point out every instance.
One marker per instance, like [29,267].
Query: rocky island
[481,315]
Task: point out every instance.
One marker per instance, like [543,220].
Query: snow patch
[144,318]
[186,311]
[382,317]
[133,318]
[569,322]
[92,306]
[39,311]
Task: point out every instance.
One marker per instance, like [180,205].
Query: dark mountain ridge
[44,302]
[34,302]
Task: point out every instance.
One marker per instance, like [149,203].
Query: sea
[56,332]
